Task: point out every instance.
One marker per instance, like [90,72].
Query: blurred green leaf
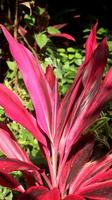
[58,73]
[102,31]
[5,194]
[29,19]
[61,50]
[52,30]
[12,65]
[71,49]
[71,56]
[78,55]
[110,45]
[40,10]
[41,39]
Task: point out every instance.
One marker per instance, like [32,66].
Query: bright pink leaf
[103,189]
[35,81]
[71,171]
[91,81]
[10,165]
[16,111]
[50,76]
[77,104]
[11,148]
[4,127]
[77,87]
[104,95]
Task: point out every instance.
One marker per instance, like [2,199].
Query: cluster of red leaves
[58,127]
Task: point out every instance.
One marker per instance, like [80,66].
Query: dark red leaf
[40,193]
[74,197]
[50,76]
[7,180]
[80,154]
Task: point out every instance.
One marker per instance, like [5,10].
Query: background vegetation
[32,22]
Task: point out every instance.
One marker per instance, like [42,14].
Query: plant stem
[15,36]
[53,178]
[54,163]
[16,20]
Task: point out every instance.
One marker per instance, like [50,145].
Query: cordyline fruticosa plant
[59,128]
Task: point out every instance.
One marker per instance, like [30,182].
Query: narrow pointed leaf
[63,35]
[50,76]
[38,88]
[11,148]
[103,189]
[7,180]
[76,88]
[28,169]
[80,154]
[103,96]
[91,43]
[90,171]
[59,26]
[16,111]
[10,165]
[104,175]
[92,84]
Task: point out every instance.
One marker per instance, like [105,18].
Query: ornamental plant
[59,126]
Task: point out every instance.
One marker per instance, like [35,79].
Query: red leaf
[64,35]
[77,87]
[91,81]
[16,111]
[59,26]
[50,76]
[8,181]
[33,193]
[10,165]
[104,95]
[101,190]
[40,193]
[74,197]
[91,43]
[35,82]
[80,154]
[93,177]
[28,168]
[11,148]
